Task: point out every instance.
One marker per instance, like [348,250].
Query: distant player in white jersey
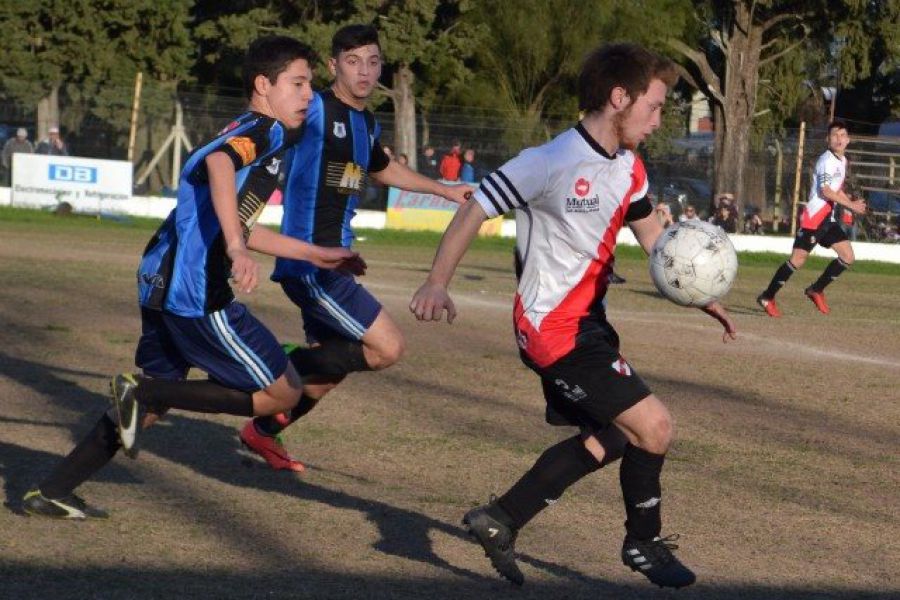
[573,195]
[818,224]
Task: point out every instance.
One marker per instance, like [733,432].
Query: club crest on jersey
[273,166]
[340,129]
[621,367]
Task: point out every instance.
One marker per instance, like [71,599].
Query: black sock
[781,276]
[333,357]
[271,426]
[832,271]
[642,492]
[195,396]
[555,470]
[93,452]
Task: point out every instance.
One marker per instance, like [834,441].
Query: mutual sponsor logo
[621,367]
[72,173]
[582,187]
[583,205]
[244,147]
[339,130]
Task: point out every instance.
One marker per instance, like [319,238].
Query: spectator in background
[467,172]
[388,151]
[53,144]
[20,143]
[429,166]
[451,163]
[689,214]
[403,159]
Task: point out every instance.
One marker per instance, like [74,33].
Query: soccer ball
[693,263]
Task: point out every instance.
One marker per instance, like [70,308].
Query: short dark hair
[837,124]
[353,36]
[270,56]
[628,66]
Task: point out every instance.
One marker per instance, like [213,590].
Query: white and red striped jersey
[572,198]
[830,170]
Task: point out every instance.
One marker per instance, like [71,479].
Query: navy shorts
[828,234]
[332,304]
[231,345]
[591,385]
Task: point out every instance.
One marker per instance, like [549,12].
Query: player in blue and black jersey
[188,311]
[346,327]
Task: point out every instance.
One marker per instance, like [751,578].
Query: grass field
[783,480]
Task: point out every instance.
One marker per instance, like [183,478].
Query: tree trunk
[741,81]
[405,114]
[47,113]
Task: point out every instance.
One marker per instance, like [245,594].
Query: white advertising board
[88,184]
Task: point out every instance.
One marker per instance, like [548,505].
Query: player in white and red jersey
[818,224]
[573,194]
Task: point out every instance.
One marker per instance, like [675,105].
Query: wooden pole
[779,160]
[138,80]
[796,198]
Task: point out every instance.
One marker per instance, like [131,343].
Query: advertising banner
[415,211]
[88,184]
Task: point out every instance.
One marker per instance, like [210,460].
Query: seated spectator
[689,214]
[451,163]
[724,218]
[753,224]
[15,145]
[53,144]
[467,172]
[403,159]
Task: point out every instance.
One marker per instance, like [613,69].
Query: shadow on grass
[23,580]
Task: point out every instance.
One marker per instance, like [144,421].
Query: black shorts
[828,234]
[592,384]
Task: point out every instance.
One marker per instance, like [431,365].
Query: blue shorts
[233,348]
[332,304]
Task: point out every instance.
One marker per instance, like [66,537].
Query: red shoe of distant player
[818,298]
[768,305]
[270,448]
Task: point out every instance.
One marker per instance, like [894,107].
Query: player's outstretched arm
[401,176]
[646,231]
[857,205]
[262,239]
[431,300]
[244,270]
[718,312]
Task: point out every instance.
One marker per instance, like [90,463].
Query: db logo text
[73,173]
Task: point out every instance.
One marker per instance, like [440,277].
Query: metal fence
[100,126]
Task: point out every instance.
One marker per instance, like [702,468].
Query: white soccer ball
[693,263]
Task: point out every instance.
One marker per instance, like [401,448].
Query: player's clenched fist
[430,301]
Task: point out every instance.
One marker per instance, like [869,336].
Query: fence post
[138,80]
[799,167]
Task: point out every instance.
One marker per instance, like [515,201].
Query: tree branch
[387,91]
[712,81]
[768,24]
[777,55]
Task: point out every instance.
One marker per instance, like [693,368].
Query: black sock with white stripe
[554,471]
[90,455]
[832,271]
[158,395]
[642,492]
[781,276]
